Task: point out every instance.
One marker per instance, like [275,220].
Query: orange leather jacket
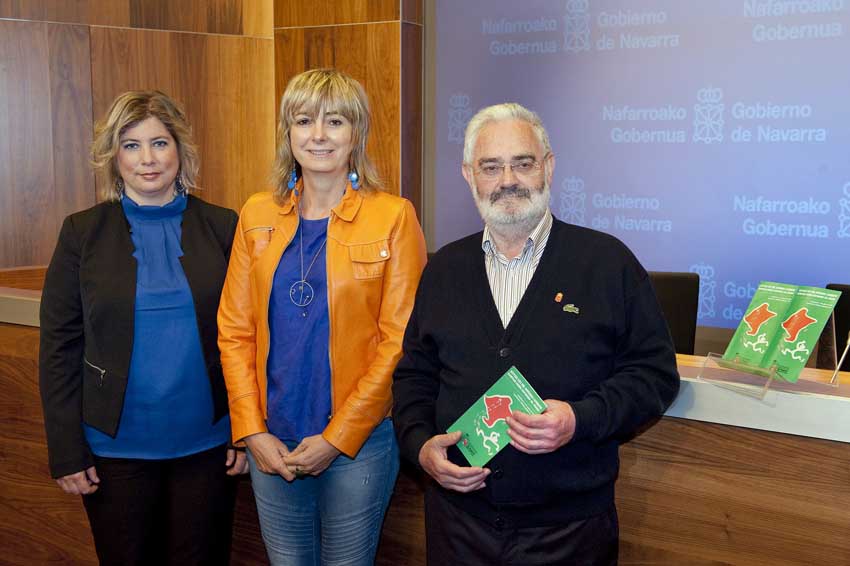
[375,255]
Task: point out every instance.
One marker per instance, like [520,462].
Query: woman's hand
[268,452]
[236,462]
[312,456]
[80,483]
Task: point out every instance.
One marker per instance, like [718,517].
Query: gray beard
[517,221]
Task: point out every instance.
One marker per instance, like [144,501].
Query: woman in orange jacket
[318,292]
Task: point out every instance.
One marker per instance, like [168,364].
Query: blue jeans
[332,518]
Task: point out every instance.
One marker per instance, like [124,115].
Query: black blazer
[87,312]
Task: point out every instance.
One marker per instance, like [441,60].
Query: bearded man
[574,311]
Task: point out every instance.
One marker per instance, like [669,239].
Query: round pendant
[301,293]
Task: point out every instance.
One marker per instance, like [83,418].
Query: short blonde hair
[309,93]
[126,111]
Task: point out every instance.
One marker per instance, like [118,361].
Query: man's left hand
[543,433]
[312,456]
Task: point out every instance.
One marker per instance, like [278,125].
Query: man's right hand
[434,460]
[268,452]
[80,483]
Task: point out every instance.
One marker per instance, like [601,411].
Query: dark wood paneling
[38,523]
[204,16]
[45,120]
[412,11]
[23,277]
[300,13]
[71,119]
[26,184]
[370,54]
[411,114]
[93,12]
[225,84]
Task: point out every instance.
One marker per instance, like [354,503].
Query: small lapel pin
[571,308]
[559,297]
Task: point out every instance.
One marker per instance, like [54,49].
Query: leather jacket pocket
[368,261]
[257,239]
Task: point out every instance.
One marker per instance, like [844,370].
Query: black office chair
[678,295]
[836,335]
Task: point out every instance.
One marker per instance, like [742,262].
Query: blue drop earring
[355,180]
[293,180]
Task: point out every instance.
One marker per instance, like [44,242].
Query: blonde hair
[309,93]
[126,111]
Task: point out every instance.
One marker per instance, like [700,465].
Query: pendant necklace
[301,292]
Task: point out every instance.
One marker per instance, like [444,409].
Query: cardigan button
[499,523]
[504,352]
[498,473]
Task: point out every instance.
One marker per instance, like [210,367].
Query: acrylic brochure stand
[755,381]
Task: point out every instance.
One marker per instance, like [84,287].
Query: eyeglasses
[526,168]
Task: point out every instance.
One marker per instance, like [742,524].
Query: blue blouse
[299,370]
[168,409]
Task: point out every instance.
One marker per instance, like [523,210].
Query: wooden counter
[690,493]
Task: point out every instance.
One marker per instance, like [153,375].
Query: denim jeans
[334,518]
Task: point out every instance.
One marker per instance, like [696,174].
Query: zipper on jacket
[100,369]
[268,229]
[330,326]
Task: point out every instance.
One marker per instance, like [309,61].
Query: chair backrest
[678,295]
[837,334]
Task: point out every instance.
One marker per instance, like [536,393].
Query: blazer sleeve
[61,358]
[238,344]
[349,428]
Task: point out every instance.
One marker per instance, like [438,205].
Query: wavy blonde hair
[126,111]
[309,93]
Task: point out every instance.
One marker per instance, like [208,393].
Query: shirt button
[499,523]
[504,352]
[383,253]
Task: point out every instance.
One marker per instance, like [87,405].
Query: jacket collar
[346,209]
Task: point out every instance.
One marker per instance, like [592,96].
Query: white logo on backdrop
[573,201]
[708,116]
[459,115]
[707,289]
[844,213]
[577,26]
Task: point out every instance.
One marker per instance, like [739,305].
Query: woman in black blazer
[134,400]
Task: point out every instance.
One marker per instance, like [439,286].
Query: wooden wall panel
[31,278]
[411,114]
[225,85]
[300,13]
[93,12]
[38,523]
[25,230]
[413,11]
[71,119]
[370,54]
[204,16]
[45,118]
[258,18]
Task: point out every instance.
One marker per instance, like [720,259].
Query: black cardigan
[87,317]
[613,361]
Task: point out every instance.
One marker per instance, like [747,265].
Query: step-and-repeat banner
[711,136]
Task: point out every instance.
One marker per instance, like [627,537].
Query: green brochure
[483,426]
[781,327]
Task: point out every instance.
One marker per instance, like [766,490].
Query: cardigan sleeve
[61,358]
[416,380]
[644,380]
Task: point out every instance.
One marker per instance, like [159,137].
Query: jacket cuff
[246,418]
[590,417]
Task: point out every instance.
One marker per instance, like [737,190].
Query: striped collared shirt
[509,278]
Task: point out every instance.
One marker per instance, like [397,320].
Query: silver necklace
[301,292]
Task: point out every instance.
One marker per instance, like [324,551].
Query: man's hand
[434,460]
[80,483]
[543,433]
[268,452]
[312,456]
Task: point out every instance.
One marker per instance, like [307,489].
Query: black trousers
[176,511]
[454,537]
